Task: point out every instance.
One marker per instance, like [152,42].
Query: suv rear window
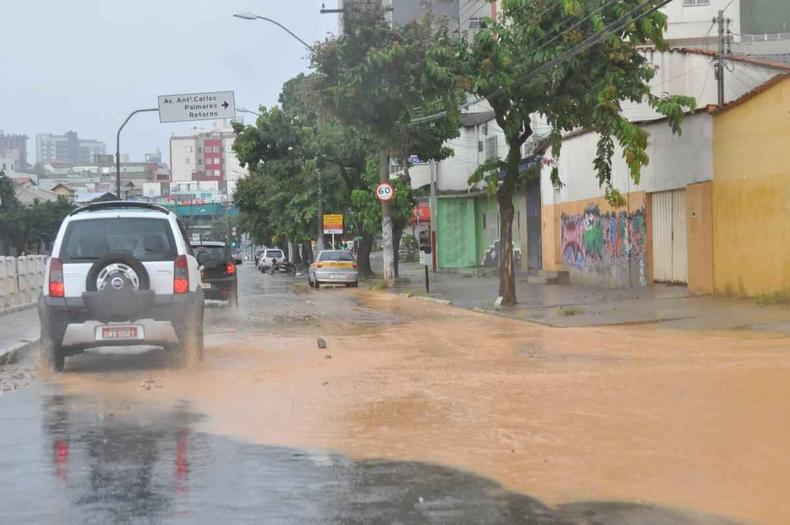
[274,253]
[144,239]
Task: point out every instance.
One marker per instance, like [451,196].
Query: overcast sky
[83,65]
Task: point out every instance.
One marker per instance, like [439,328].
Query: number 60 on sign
[385,192]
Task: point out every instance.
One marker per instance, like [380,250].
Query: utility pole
[319,241]
[720,58]
[386,220]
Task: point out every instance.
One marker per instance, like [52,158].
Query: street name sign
[385,192]
[333,223]
[182,107]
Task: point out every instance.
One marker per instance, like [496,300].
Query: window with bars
[491,147]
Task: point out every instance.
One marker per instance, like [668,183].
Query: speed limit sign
[385,192]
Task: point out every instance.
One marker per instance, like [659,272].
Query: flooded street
[415,412]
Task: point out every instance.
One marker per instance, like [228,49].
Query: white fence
[21,279]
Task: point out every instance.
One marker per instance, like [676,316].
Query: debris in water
[321,343]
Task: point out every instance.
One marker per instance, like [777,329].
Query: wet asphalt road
[78,459]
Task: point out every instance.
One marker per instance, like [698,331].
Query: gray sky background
[83,65]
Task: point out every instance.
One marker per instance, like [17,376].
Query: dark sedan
[218,271]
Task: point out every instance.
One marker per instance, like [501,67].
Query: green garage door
[455,237]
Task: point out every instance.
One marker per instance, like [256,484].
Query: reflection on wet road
[413,413]
[76,460]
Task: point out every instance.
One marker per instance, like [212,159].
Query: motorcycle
[283,266]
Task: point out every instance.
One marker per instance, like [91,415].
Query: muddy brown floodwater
[694,420]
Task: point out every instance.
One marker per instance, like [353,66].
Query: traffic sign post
[385,192]
[333,224]
[182,107]
[213,105]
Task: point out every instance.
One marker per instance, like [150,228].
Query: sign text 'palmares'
[197,106]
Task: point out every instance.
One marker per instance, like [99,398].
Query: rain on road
[415,412]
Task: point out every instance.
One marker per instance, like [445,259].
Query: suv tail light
[181,275]
[56,288]
[354,265]
[230,268]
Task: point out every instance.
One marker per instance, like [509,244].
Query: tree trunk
[297,253]
[507,273]
[386,221]
[507,276]
[363,255]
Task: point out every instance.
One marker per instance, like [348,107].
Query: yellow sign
[333,223]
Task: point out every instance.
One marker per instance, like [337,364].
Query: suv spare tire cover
[117,258]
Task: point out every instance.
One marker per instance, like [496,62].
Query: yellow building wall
[751,194]
[596,243]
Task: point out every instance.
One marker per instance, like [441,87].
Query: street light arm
[252,16]
[118,148]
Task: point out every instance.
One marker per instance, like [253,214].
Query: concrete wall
[597,244]
[675,162]
[21,279]
[690,74]
[699,218]
[751,195]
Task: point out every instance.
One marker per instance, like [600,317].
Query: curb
[16,308]
[12,354]
[425,298]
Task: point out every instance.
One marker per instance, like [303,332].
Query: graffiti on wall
[593,239]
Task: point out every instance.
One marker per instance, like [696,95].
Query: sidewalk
[17,330]
[567,305]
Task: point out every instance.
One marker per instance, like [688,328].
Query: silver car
[333,267]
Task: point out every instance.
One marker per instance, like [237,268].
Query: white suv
[268,257]
[121,274]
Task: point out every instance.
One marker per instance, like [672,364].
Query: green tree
[283,149]
[25,228]
[572,91]
[377,78]
[277,200]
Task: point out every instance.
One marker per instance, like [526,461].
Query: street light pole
[320,229]
[118,149]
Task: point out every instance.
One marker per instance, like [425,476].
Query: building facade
[14,147]
[206,155]
[754,27]
[67,149]
[751,193]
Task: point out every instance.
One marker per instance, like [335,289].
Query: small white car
[268,256]
[121,274]
[333,267]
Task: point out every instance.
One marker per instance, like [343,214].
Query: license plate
[205,286]
[119,332]
[337,276]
